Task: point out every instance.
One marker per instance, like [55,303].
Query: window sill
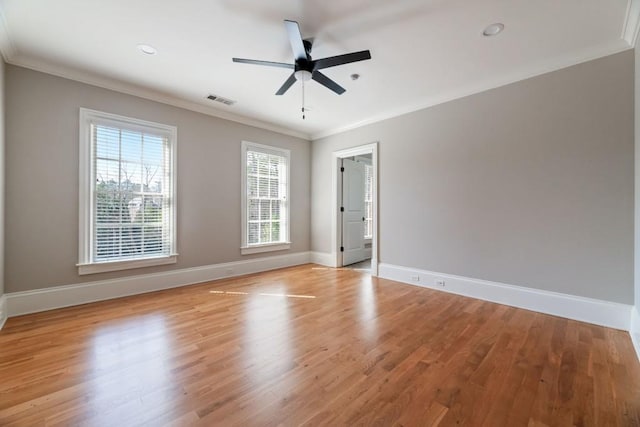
[103,267]
[269,247]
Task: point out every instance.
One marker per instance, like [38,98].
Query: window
[265,201]
[127,193]
[368,201]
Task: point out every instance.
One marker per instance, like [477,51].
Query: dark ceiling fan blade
[327,82]
[295,38]
[332,61]
[291,80]
[267,63]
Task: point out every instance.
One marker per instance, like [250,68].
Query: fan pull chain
[303,99]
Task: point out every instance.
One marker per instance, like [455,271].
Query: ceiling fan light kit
[303,75]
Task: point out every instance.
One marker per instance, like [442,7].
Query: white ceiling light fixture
[302,75]
[147,49]
[493,29]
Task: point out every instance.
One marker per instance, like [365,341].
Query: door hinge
[341,248]
[341,208]
[342,169]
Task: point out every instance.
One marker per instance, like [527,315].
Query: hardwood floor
[364,266]
[312,346]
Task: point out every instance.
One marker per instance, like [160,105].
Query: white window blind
[368,201]
[132,176]
[131,201]
[266,189]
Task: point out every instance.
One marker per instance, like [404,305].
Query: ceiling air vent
[220,99]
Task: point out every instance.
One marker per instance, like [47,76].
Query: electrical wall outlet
[415,278]
[440,282]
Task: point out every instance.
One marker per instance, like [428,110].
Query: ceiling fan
[304,68]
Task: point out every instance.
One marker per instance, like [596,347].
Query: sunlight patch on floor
[262,294]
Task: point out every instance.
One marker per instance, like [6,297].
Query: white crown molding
[552,64]
[598,312]
[146,93]
[18,303]
[631,23]
[3,310]
[630,34]
[7,48]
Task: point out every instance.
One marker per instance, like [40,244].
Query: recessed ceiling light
[145,48]
[493,29]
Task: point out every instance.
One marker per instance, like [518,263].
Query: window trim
[245,248]
[86,192]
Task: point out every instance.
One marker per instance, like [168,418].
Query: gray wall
[42,180]
[530,184]
[637,171]
[2,167]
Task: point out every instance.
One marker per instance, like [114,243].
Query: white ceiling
[423,51]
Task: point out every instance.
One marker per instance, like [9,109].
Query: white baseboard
[18,303]
[604,313]
[3,310]
[324,258]
[634,330]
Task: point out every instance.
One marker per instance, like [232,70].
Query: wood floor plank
[317,347]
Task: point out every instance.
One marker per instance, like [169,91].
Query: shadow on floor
[360,266]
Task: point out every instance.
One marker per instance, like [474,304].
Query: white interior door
[353,187]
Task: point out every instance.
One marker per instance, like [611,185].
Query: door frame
[336,222]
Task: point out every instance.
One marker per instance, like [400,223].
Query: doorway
[355,225]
